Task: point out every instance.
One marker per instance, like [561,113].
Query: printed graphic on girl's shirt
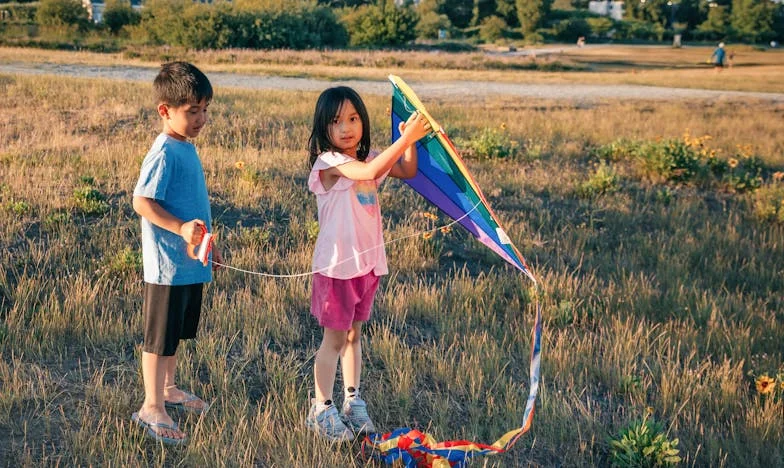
[366,194]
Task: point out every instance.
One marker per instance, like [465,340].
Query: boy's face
[345,131]
[185,121]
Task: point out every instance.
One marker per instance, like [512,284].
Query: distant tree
[382,24]
[690,12]
[716,24]
[753,20]
[118,14]
[651,11]
[62,13]
[492,29]
[345,3]
[459,12]
[430,23]
[599,26]
[531,13]
[507,10]
[481,10]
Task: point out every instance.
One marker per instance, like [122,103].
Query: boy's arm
[151,210]
[406,166]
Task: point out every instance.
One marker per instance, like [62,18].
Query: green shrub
[743,174]
[492,29]
[768,203]
[642,445]
[56,220]
[90,201]
[604,180]
[430,23]
[245,25]
[125,261]
[381,24]
[62,13]
[117,14]
[570,29]
[599,27]
[492,144]
[18,208]
[672,160]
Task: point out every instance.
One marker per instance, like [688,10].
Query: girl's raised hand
[415,127]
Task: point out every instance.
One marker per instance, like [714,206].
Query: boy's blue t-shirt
[173,176]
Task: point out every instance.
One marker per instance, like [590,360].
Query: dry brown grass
[664,306]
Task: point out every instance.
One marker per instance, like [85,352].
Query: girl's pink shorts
[337,303]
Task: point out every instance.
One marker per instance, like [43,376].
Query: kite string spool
[300,275]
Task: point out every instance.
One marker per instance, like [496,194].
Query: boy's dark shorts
[171,314]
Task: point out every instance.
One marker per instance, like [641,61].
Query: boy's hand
[192,231]
[217,258]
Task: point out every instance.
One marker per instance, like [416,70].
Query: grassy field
[753,70]
[661,293]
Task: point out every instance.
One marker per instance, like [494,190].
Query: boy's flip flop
[183,405]
[157,437]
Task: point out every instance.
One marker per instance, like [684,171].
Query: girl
[349,256]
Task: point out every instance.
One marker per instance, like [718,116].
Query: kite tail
[416,449]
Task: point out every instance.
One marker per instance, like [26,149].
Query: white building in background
[613,9]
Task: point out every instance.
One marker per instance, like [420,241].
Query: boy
[171,197]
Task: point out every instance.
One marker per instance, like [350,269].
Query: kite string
[300,275]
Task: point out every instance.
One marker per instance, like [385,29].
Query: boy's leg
[163,315]
[153,410]
[188,303]
[172,394]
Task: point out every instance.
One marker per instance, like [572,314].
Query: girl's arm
[416,127]
[406,166]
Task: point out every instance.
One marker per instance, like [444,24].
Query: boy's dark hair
[180,83]
[327,108]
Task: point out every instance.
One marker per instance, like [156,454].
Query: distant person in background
[718,57]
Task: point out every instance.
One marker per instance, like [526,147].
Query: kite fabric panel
[444,180]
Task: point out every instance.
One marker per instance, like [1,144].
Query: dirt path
[461,89]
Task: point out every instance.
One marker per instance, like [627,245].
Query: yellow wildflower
[239,164]
[427,235]
[427,215]
[778,175]
[765,384]
[733,163]
[503,125]
[446,229]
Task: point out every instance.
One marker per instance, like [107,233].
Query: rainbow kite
[443,179]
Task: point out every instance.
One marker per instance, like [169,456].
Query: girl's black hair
[327,108]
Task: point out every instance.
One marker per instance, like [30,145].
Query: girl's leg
[351,357]
[326,365]
[354,407]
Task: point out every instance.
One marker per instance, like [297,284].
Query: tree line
[301,24]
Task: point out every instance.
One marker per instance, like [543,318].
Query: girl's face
[345,131]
